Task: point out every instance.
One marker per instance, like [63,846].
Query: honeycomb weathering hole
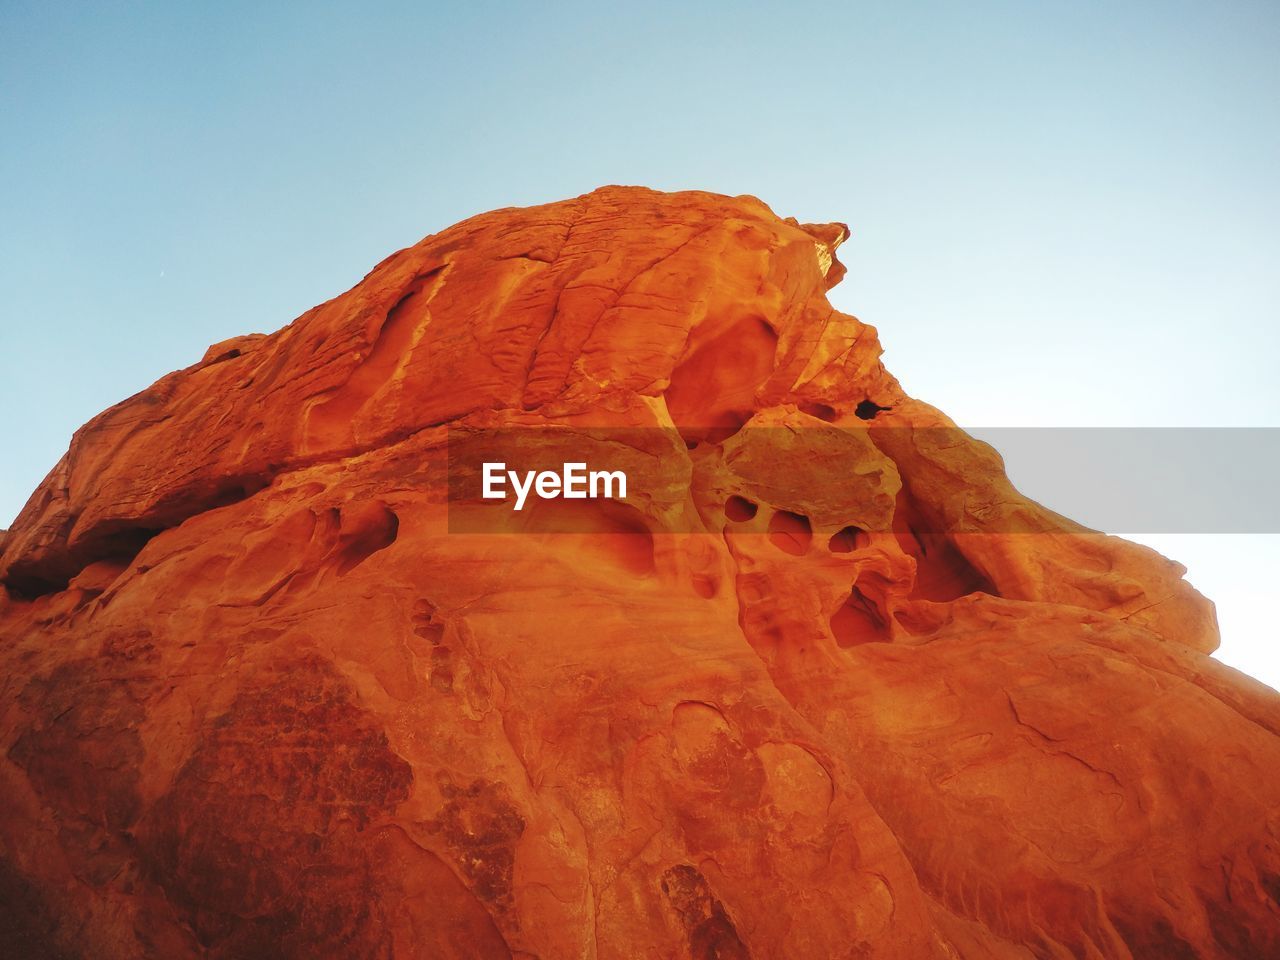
[363,532]
[858,621]
[846,540]
[790,532]
[739,509]
[823,411]
[867,409]
[943,572]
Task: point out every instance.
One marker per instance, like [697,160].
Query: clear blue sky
[1062,212]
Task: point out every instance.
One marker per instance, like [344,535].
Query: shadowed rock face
[806,694]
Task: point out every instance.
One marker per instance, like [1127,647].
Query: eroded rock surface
[824,686]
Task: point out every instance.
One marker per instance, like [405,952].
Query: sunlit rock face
[823,686]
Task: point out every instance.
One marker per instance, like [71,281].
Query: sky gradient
[1062,213]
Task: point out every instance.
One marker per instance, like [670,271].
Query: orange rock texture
[828,688]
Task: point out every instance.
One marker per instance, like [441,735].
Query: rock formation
[823,686]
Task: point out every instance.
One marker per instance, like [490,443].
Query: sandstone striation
[823,686]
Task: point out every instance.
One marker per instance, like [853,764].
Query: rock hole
[712,391]
[426,623]
[847,540]
[790,532]
[857,621]
[119,545]
[119,541]
[363,532]
[433,633]
[823,411]
[233,491]
[25,586]
[229,355]
[739,509]
[867,409]
[942,571]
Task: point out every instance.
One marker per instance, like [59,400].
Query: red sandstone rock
[823,686]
